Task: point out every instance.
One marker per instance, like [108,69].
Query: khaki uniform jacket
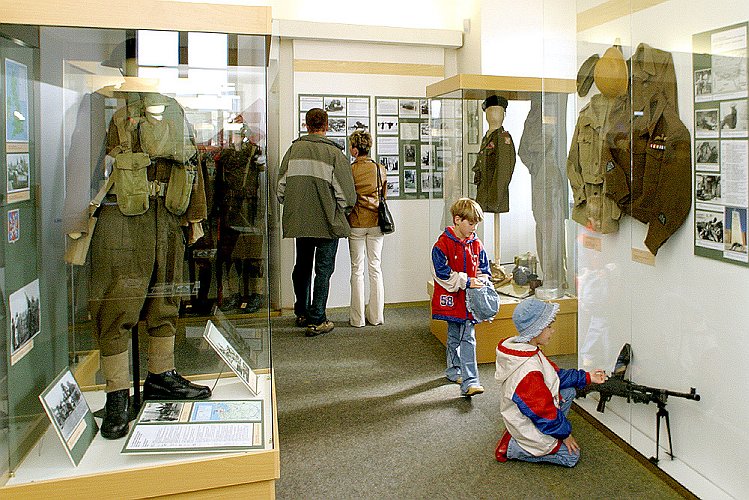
[585,169]
[653,74]
[493,171]
[652,178]
[316,188]
[365,212]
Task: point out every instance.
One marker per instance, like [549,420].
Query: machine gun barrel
[616,386]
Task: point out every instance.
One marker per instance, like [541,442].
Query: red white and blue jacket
[529,403]
[454,263]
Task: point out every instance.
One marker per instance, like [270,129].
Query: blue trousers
[320,253]
[461,354]
[563,456]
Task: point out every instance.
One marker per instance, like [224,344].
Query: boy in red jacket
[459,262]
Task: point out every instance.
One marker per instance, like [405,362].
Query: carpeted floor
[367,413]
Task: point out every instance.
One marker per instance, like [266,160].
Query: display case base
[489,333]
[106,473]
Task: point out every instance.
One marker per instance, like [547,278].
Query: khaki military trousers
[135,260]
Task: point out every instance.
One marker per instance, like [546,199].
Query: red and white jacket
[529,403]
[454,263]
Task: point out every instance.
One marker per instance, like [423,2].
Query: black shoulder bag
[384,219]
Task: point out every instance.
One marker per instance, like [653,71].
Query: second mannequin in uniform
[496,159]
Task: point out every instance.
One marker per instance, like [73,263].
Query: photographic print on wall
[70,415]
[721,151]
[25,319]
[16,102]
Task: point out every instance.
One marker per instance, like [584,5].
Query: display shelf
[106,473]
[513,87]
[489,333]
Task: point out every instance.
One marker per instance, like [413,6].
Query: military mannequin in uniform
[495,162]
[138,246]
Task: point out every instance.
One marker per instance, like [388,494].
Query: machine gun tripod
[616,385]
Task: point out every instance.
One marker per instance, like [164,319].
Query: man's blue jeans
[461,354]
[321,252]
[563,456]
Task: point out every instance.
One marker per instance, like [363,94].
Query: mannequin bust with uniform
[495,161]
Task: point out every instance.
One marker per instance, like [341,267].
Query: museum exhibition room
[426,249]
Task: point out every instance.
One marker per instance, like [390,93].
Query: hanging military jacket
[585,168]
[651,176]
[239,185]
[493,171]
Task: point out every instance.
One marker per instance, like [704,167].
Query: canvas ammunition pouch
[181,180]
[131,182]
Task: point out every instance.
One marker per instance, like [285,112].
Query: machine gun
[616,385]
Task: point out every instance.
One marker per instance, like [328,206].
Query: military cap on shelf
[585,75]
[494,100]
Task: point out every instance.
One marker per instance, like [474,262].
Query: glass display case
[502,141]
[137,243]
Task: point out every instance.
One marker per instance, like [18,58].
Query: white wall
[406,250]
[686,316]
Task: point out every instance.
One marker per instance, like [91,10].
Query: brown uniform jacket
[652,74]
[585,168]
[364,213]
[493,171]
[652,178]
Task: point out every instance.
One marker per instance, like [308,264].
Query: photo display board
[346,113]
[721,143]
[402,145]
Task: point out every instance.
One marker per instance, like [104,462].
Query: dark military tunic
[493,171]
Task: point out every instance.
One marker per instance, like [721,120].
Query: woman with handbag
[365,241]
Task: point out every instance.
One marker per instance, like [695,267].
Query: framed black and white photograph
[335,105]
[734,121]
[427,156]
[409,181]
[356,123]
[25,318]
[703,85]
[729,74]
[18,177]
[437,182]
[426,182]
[473,121]
[302,124]
[425,131]
[387,125]
[706,123]
[336,126]
[424,105]
[409,155]
[390,163]
[230,356]
[393,189]
[707,155]
[162,411]
[709,229]
[708,188]
[341,142]
[408,108]
[70,415]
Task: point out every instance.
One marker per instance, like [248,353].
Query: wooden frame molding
[140,14]
[367,68]
[610,11]
[479,86]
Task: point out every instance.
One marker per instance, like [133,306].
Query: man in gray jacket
[316,188]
